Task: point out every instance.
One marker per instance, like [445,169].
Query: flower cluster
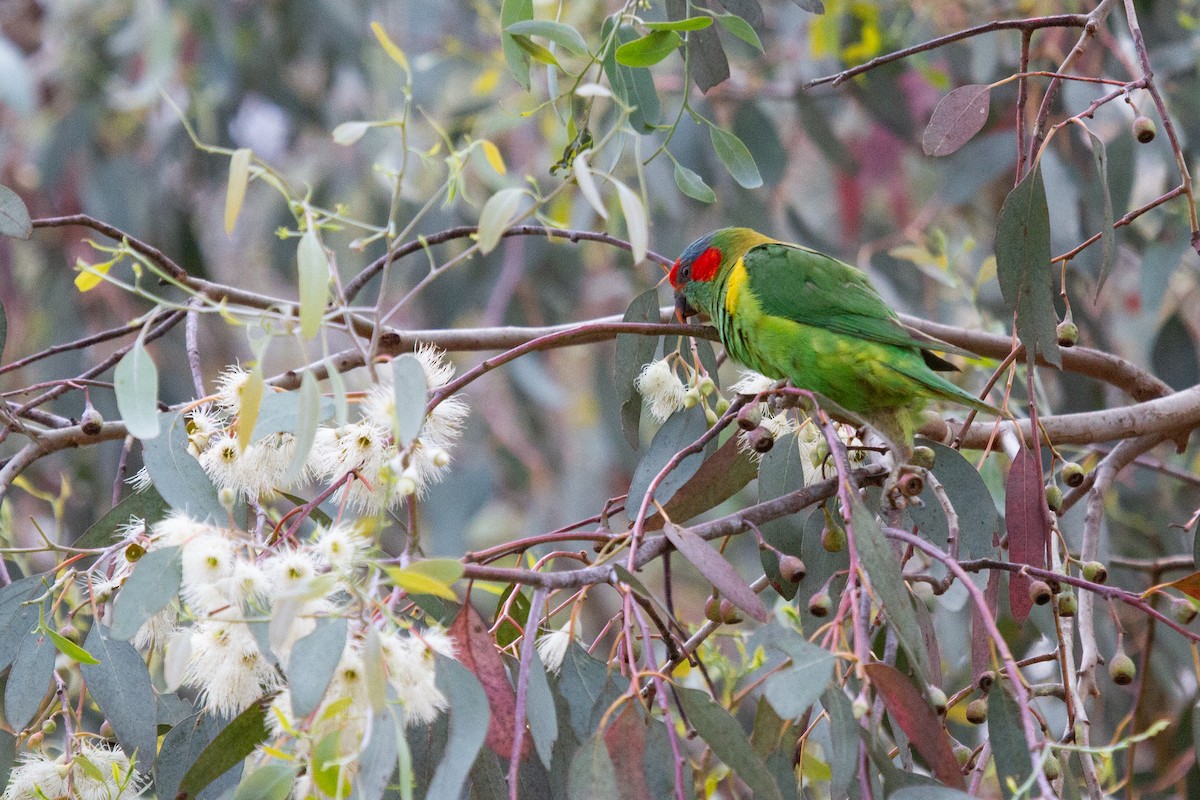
[95,771]
[665,393]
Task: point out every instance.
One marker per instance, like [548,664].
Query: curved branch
[116,234]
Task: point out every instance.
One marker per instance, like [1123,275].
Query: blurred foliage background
[85,127]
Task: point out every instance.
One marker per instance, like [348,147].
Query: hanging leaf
[1023,266]
[634,86]
[28,680]
[693,185]
[271,781]
[431,576]
[498,212]
[512,12]
[312,663]
[719,572]
[177,475]
[958,117]
[250,397]
[182,745]
[146,505]
[636,223]
[741,29]
[592,776]
[536,51]
[14,216]
[378,762]
[682,429]
[1009,749]
[634,352]
[347,134]
[625,741]
[811,6]
[587,184]
[707,63]
[920,723]
[135,381]
[229,748]
[492,154]
[649,49]
[477,652]
[843,733]
[1027,521]
[1108,234]
[469,720]
[313,262]
[735,157]
[978,520]
[540,710]
[581,682]
[17,620]
[719,478]
[793,690]
[558,32]
[410,394]
[724,736]
[311,409]
[153,584]
[120,684]
[689,24]
[389,47]
[883,569]
[239,178]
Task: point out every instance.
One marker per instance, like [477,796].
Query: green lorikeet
[790,312]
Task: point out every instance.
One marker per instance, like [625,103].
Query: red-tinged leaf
[477,652]
[981,648]
[719,572]
[958,117]
[1188,584]
[918,721]
[626,743]
[1027,521]
[719,478]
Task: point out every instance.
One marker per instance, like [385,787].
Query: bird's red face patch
[673,275]
[706,266]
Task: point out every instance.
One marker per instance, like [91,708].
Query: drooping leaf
[312,663]
[146,505]
[348,133]
[625,740]
[811,6]
[883,569]
[707,63]
[558,32]
[1027,521]
[182,745]
[313,264]
[1108,234]
[8,757]
[14,216]
[779,473]
[587,184]
[512,12]
[633,353]
[429,576]
[741,29]
[540,710]
[390,47]
[978,521]
[581,683]
[380,759]
[470,722]
[649,49]
[281,412]
[693,185]
[1173,355]
[477,652]
[636,223]
[958,117]
[689,24]
[250,397]
[310,410]
[69,648]
[735,157]
[756,129]
[794,689]
[271,781]
[633,86]
[843,733]
[177,475]
[928,793]
[725,737]
[1023,266]
[135,381]
[29,679]
[409,387]
[235,193]
[682,429]
[227,749]
[120,684]
[749,10]
[497,214]
[1009,750]
[153,584]
[719,572]
[918,720]
[719,478]
[592,776]
[535,50]
[18,617]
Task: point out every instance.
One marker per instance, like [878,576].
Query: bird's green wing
[815,289]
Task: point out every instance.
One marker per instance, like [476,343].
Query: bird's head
[693,272]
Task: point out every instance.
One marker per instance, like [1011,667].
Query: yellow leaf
[90,275]
[486,83]
[390,47]
[239,177]
[415,582]
[250,399]
[492,154]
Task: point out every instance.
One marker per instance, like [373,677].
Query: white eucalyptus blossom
[552,647]
[410,670]
[341,546]
[140,481]
[106,776]
[227,667]
[230,383]
[661,388]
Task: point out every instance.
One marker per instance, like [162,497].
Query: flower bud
[691,398]
[1184,611]
[710,416]
[937,699]
[1051,768]
[49,726]
[760,440]
[792,568]
[1072,474]
[1040,593]
[1144,129]
[1068,604]
[977,711]
[91,422]
[227,497]
[749,417]
[134,552]
[820,604]
[722,405]
[729,612]
[1095,572]
[439,457]
[712,609]
[833,539]
[1068,333]
[706,386]
[923,457]
[1122,670]
[1054,498]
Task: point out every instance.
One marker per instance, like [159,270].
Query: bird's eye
[686,272]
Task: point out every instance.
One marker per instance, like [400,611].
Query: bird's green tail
[942,389]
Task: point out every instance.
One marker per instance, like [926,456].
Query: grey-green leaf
[592,775]
[728,742]
[311,408]
[1023,266]
[228,748]
[1010,752]
[146,505]
[1108,234]
[649,49]
[136,383]
[557,32]
[543,718]
[177,475]
[719,572]
[14,216]
[312,663]
[469,717]
[120,685]
[498,212]
[779,473]
[633,85]
[153,583]
[29,679]
[682,429]
[793,690]
[280,412]
[741,29]
[272,781]
[978,519]
[408,384]
[735,157]
[512,12]
[693,185]
[883,569]
[634,352]
[956,119]
[313,263]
